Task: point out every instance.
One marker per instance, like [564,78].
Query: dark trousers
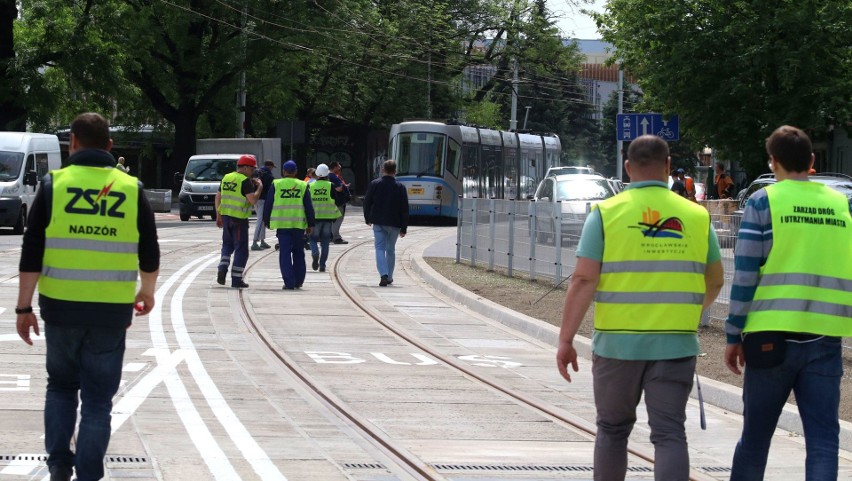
[234,241]
[291,256]
[88,361]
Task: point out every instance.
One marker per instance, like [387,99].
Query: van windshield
[10,165]
[209,170]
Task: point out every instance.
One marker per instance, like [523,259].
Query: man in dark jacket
[90,232]
[386,209]
[266,178]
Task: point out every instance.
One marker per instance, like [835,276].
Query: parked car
[570,169]
[616,184]
[574,194]
[839,182]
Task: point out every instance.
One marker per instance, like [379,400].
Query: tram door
[492,161]
[473,186]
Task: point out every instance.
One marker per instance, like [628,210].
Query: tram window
[420,154]
[453,158]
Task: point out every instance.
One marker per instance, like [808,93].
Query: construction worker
[290,212]
[323,197]
[238,192]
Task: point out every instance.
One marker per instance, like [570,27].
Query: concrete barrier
[160,199]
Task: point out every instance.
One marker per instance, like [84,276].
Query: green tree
[734,71]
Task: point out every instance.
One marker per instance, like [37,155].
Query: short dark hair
[389,167]
[333,165]
[791,147]
[647,150]
[91,130]
[269,163]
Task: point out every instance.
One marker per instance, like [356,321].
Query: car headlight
[186,187]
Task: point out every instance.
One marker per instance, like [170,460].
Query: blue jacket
[386,203]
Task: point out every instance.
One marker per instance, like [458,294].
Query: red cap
[247,160]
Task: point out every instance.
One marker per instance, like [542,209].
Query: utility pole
[526,116]
[241,87]
[619,146]
[513,122]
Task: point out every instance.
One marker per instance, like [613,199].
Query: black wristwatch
[24,310]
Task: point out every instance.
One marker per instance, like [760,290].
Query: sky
[573,23]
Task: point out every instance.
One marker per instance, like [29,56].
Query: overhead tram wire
[343,60]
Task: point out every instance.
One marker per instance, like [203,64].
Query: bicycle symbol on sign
[666,133]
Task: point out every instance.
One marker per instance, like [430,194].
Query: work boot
[264,245]
[60,473]
[315,263]
[256,247]
[220,277]
[340,241]
[239,284]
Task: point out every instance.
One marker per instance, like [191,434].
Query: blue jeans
[321,233]
[88,361]
[812,370]
[234,241]
[385,238]
[291,256]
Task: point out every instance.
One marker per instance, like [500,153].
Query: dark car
[839,182]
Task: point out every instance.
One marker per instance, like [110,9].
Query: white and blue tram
[438,162]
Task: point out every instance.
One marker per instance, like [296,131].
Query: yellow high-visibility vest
[92,239]
[322,200]
[232,201]
[806,283]
[288,210]
[654,260]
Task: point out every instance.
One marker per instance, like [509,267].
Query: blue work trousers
[812,370]
[291,256]
[234,241]
[87,361]
[385,237]
[321,234]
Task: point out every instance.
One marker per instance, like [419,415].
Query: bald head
[648,159]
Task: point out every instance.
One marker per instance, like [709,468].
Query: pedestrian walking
[386,209]
[90,232]
[678,184]
[340,201]
[238,192]
[322,198]
[724,183]
[290,212]
[120,165]
[266,177]
[789,307]
[651,261]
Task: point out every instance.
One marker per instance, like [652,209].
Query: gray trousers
[259,226]
[618,386]
[335,227]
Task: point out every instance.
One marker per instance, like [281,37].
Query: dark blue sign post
[631,126]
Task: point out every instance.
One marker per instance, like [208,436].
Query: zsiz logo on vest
[291,194]
[102,202]
[229,186]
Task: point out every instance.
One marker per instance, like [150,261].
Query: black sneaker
[220,277]
[390,281]
[322,268]
[285,288]
[340,241]
[384,281]
[315,263]
[240,284]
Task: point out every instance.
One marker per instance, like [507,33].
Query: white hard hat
[322,170]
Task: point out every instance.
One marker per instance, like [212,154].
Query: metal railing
[519,236]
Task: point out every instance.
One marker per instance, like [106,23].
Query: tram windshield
[420,154]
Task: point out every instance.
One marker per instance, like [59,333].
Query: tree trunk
[184,147]
[12,112]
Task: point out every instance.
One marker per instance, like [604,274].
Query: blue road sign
[630,126]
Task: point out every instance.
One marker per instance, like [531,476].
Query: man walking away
[322,197]
[340,201]
[790,305]
[266,178]
[238,192]
[650,260]
[85,264]
[386,209]
[724,183]
[290,212]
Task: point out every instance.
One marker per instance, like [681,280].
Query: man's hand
[144,303]
[308,231]
[24,323]
[734,357]
[564,356]
[402,234]
[219,222]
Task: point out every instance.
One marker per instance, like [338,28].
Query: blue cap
[290,166]
[680,171]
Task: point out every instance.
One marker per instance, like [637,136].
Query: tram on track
[438,162]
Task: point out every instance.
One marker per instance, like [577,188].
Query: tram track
[413,465]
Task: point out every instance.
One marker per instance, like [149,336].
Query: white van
[200,182]
[24,159]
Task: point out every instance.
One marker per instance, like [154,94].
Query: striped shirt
[754,241]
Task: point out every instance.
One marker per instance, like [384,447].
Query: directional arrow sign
[630,126]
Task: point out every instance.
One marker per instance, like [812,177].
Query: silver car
[572,196]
